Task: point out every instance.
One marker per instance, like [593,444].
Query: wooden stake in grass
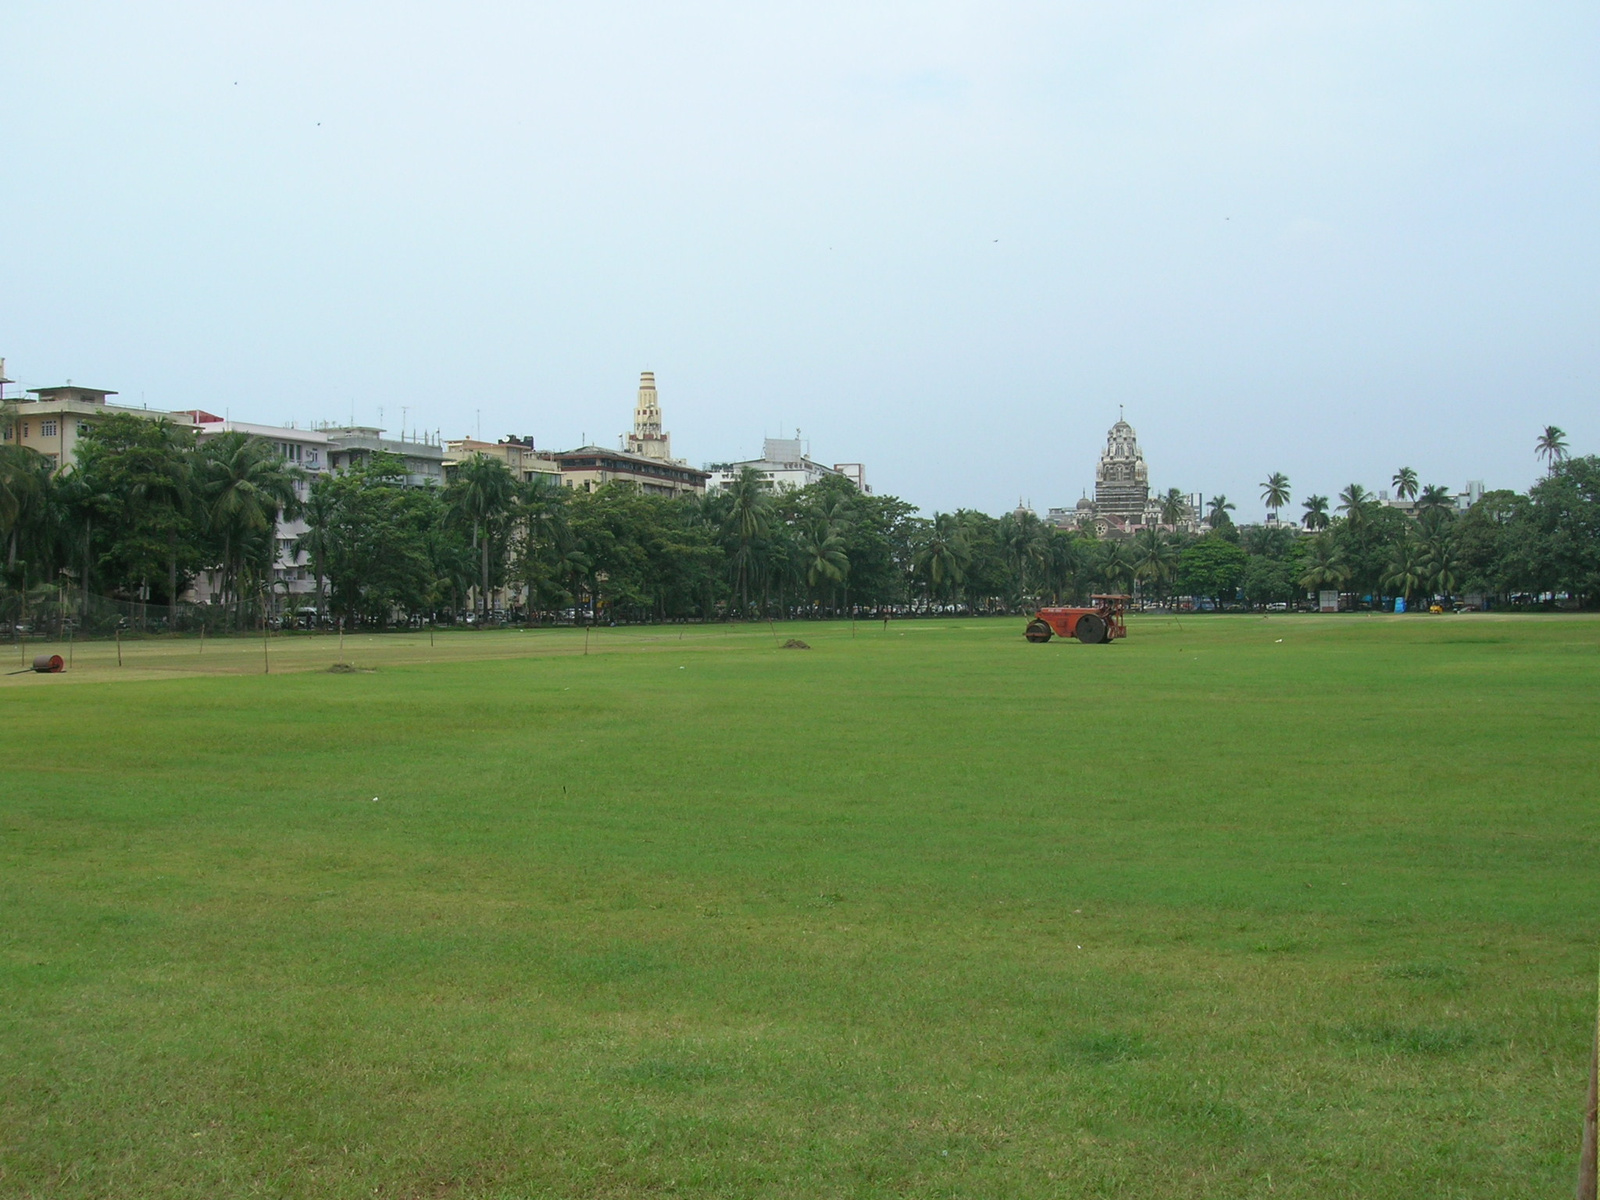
[1587,1181]
[266,644]
[341,639]
[202,639]
[119,647]
[586,641]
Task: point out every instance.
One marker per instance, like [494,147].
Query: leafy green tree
[1212,566]
[1217,511]
[1564,521]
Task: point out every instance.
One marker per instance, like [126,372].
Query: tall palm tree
[1442,565]
[1323,566]
[1174,507]
[1433,505]
[1316,512]
[1551,446]
[321,512]
[1155,558]
[1275,492]
[822,553]
[166,485]
[943,556]
[1405,484]
[1407,571]
[482,494]
[244,487]
[1116,566]
[747,499]
[1217,511]
[1355,502]
[1020,540]
[22,478]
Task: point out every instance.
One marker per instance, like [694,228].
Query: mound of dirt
[348,669]
[795,644]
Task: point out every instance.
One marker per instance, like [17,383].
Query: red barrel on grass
[49,664]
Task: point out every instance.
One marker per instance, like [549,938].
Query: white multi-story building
[309,449]
[317,452]
[785,464]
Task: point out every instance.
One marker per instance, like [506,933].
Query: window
[53,461]
[83,429]
[9,432]
[24,430]
[47,428]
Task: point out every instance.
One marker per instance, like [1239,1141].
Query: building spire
[648,439]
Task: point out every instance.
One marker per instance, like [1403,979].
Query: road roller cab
[1091,626]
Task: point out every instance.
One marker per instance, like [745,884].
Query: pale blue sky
[943,239]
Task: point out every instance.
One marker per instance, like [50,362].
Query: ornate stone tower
[648,439]
[1121,481]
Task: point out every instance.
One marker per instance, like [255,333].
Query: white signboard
[1327,601]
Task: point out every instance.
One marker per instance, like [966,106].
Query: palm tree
[1442,565]
[943,555]
[748,501]
[22,477]
[1354,503]
[1316,512]
[482,493]
[1154,558]
[1405,484]
[1116,566]
[167,485]
[822,553]
[1174,507]
[1323,565]
[1407,571]
[1433,505]
[1275,492]
[1019,535]
[320,512]
[1217,512]
[244,487]
[1551,446]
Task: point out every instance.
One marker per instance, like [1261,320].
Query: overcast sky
[946,240]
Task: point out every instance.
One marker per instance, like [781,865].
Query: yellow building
[57,417]
[526,463]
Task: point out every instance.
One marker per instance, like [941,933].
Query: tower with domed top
[1122,481]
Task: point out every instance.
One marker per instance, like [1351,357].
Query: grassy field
[1293,907]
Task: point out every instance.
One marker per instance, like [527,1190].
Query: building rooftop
[70,391]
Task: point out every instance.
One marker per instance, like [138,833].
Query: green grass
[922,912]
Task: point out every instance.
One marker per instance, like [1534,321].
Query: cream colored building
[589,467]
[57,417]
[649,439]
[525,463]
